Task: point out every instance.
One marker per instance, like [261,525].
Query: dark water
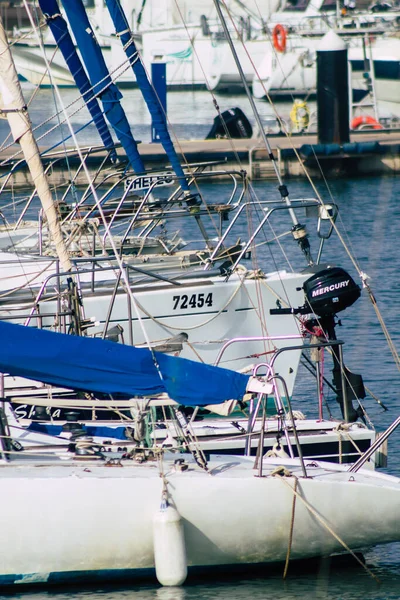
[370,224]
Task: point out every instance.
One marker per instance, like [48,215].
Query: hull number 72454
[194,301]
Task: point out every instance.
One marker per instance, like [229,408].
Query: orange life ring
[358,121]
[279,36]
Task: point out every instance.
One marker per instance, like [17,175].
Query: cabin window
[297,5]
[384,69]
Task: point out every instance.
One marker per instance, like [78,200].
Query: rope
[158,322]
[344,428]
[285,571]
[306,173]
[325,524]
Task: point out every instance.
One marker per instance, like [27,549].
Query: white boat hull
[87,521]
[210,310]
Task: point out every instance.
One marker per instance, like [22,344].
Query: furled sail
[59,29]
[124,32]
[14,108]
[99,366]
[100,78]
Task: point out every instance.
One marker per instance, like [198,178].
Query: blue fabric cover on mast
[123,31]
[101,366]
[59,29]
[100,78]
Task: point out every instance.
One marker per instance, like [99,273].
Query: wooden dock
[369,152]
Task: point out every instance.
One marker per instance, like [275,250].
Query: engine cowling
[330,291]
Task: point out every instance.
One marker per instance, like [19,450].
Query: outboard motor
[330,291]
[232,121]
[327,293]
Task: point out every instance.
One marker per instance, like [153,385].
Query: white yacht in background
[186,35]
[291,69]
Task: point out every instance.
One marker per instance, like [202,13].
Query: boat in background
[187,36]
[289,65]
[32,68]
[189,39]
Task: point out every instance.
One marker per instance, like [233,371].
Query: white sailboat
[228,517]
[207,306]
[165,514]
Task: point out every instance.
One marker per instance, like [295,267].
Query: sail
[59,29]
[13,105]
[124,32]
[101,80]
[104,367]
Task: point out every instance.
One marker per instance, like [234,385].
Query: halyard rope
[325,524]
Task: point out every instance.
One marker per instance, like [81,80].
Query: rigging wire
[361,274]
[100,209]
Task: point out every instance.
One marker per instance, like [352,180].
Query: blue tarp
[59,29]
[100,78]
[104,367]
[159,120]
[117,432]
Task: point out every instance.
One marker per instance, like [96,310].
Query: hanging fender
[279,36]
[365,120]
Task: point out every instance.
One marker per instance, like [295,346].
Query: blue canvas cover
[59,29]
[100,79]
[104,367]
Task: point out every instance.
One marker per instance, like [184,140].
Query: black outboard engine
[330,291]
[233,122]
[327,293]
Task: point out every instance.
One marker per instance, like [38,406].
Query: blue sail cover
[123,31]
[104,367]
[100,78]
[59,29]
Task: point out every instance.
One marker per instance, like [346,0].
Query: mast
[100,78]
[123,31]
[59,29]
[14,108]
[299,231]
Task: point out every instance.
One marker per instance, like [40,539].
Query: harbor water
[369,221]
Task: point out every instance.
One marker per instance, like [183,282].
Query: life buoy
[279,36]
[365,120]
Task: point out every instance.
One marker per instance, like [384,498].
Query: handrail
[260,338]
[374,447]
[58,275]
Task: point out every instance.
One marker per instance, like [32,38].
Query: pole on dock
[159,81]
[332,90]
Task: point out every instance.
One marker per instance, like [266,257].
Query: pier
[368,152]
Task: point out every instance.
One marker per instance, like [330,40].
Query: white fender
[169,546]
